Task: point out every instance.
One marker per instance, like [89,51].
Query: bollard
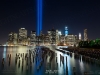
[22,68]
[66,70]
[22,61]
[57,64]
[3,62]
[9,62]
[16,54]
[74,71]
[30,63]
[33,59]
[66,59]
[56,59]
[85,73]
[19,64]
[27,67]
[10,56]
[21,55]
[15,60]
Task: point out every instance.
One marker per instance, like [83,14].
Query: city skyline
[29,32]
[77,15]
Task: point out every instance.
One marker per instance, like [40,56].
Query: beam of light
[39,16]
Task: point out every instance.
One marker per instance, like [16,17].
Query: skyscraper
[52,36]
[33,38]
[22,36]
[22,33]
[85,35]
[12,39]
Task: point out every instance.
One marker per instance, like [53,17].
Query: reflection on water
[48,68]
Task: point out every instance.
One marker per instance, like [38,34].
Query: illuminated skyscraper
[66,31]
[80,36]
[71,40]
[12,39]
[22,33]
[85,35]
[33,37]
[52,36]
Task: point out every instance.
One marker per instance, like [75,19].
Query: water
[48,68]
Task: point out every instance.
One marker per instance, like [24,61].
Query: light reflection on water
[81,66]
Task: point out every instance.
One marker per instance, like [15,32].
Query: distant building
[22,33]
[71,40]
[12,40]
[62,39]
[11,36]
[22,40]
[52,36]
[33,38]
[85,35]
[57,36]
[46,40]
[15,40]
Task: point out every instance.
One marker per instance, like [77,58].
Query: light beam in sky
[39,16]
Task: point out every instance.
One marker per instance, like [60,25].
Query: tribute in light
[39,16]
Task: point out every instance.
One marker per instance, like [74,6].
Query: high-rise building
[58,37]
[12,39]
[85,35]
[22,40]
[22,33]
[15,38]
[71,40]
[11,36]
[52,36]
[33,38]
[66,31]
[80,36]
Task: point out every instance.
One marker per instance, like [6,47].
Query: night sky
[76,14]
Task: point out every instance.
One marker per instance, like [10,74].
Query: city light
[66,31]
[79,36]
[59,32]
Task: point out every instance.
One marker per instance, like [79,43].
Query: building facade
[22,40]
[52,36]
[13,39]
[85,35]
[33,38]
[71,40]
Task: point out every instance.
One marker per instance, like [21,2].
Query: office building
[85,35]
[33,38]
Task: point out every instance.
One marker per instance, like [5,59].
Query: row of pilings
[79,56]
[87,55]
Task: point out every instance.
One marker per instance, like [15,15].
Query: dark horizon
[77,15]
